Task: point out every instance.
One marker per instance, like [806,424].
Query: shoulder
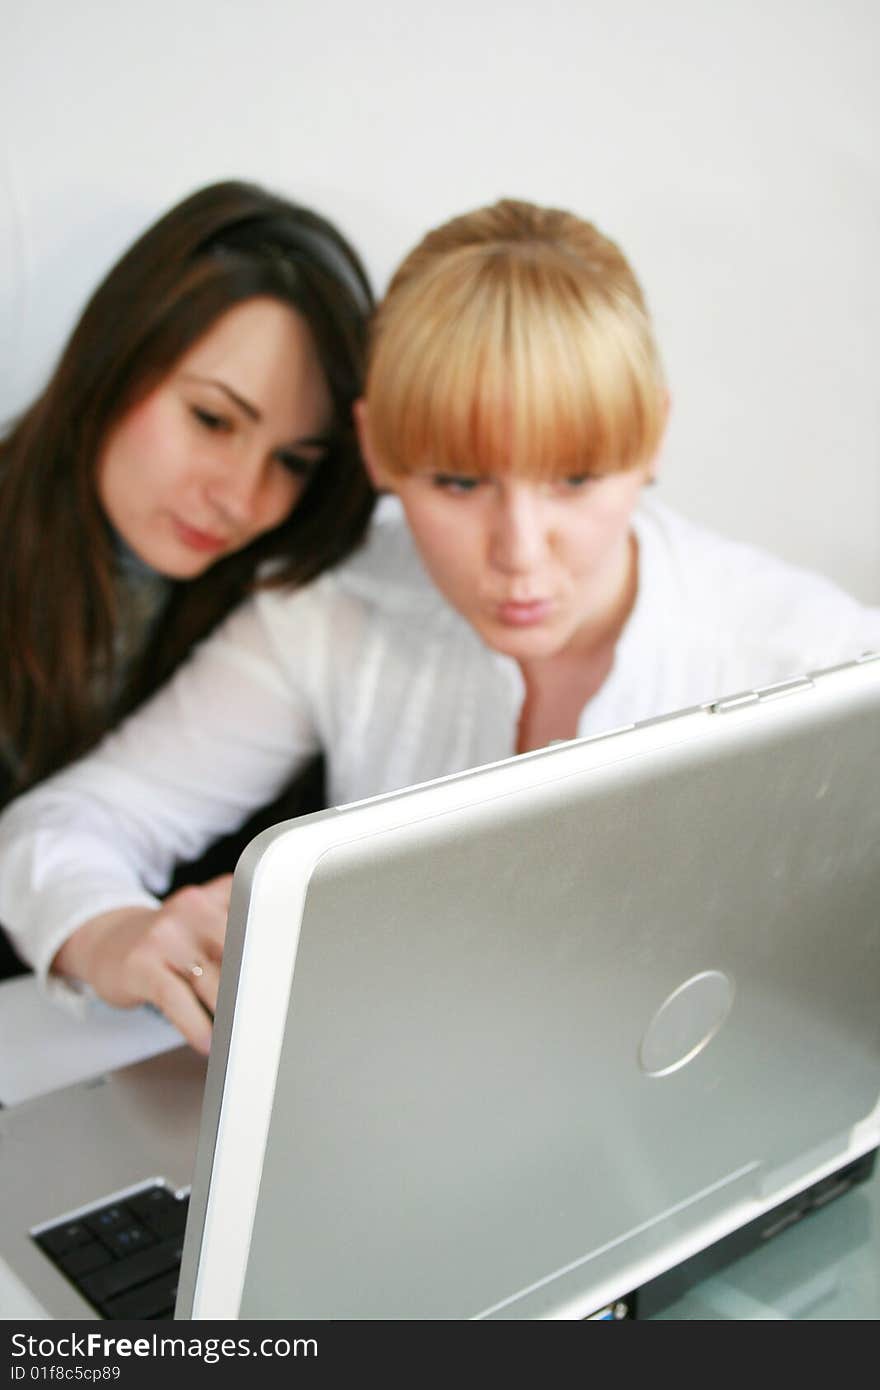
[733,593]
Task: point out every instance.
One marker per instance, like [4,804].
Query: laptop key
[108,1219]
[149,1301]
[123,1275]
[84,1259]
[161,1211]
[129,1239]
[170,1223]
[153,1200]
[62,1238]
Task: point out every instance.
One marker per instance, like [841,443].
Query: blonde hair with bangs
[515,339]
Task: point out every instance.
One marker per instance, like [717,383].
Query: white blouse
[371,665]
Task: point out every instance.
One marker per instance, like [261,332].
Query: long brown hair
[225,244]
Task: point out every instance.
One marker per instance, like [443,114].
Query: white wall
[730,147]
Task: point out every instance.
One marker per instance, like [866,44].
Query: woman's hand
[168,956]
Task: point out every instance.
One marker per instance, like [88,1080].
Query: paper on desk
[43,1046]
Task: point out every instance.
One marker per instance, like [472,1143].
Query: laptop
[509,1044]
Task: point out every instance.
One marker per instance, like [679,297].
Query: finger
[203,978]
[194,944]
[181,1007]
[178,959]
[192,928]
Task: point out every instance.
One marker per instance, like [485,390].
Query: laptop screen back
[539,1037]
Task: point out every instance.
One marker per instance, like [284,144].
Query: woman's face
[221,450]
[537,569]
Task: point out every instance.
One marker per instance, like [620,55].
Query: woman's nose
[234,489]
[517,542]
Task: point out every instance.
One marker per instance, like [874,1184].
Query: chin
[522,644]
[179,567]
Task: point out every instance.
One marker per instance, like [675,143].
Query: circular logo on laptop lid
[686,1023]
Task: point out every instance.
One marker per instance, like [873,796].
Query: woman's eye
[298,466]
[454,482]
[579,480]
[209,419]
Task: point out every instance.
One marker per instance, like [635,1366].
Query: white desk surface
[44,1046]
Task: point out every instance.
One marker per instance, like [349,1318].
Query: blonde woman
[522,588]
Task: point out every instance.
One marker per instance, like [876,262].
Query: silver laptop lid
[507,1044]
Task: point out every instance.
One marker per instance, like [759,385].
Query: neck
[129,562]
[558,687]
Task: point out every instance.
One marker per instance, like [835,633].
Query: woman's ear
[376,471]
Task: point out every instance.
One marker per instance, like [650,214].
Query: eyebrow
[247,406]
[317,441]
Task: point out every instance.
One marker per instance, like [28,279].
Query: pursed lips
[523,612]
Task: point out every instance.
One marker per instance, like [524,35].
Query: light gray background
[730,147]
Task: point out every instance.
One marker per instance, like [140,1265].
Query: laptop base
[149,1291]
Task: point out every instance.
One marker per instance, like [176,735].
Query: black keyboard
[123,1257]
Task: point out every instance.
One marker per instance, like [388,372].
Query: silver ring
[196,970]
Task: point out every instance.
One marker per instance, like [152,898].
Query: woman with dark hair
[198,424]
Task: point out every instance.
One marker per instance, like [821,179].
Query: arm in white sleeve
[221,739]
